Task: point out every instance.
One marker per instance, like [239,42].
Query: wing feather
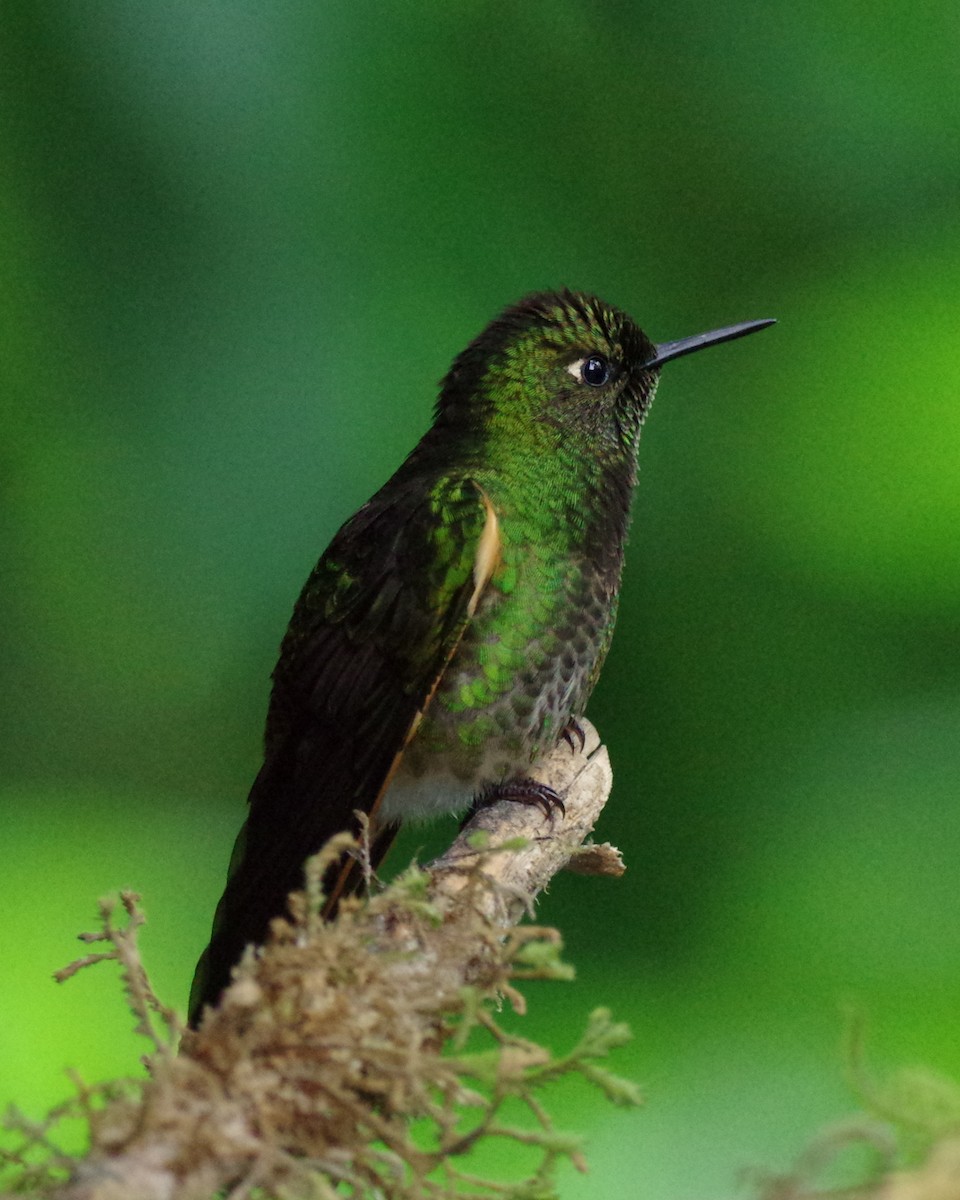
[376,625]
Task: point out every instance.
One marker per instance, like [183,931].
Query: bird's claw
[527,791]
[573,732]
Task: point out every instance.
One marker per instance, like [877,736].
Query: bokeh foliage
[241,242]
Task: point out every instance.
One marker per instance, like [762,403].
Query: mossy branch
[362,1057]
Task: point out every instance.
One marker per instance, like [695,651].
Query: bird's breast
[523,668]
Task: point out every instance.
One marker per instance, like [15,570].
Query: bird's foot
[525,791]
[571,733]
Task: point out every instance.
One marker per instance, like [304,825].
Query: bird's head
[563,364]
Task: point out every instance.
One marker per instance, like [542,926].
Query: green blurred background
[241,242]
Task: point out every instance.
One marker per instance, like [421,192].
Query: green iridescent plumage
[458,621]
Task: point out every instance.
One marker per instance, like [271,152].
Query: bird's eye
[593,370]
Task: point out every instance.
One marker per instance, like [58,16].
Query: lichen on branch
[364,1056]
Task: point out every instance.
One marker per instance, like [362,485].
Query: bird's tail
[283,830]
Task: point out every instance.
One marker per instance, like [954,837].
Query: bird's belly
[428,784]
[420,797]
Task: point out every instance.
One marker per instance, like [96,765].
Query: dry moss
[338,1040]
[358,1058]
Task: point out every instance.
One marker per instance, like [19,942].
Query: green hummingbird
[455,627]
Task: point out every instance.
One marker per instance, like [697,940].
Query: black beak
[668,350]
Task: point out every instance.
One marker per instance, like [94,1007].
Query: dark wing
[372,632]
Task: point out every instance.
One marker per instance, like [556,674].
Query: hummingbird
[454,628]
